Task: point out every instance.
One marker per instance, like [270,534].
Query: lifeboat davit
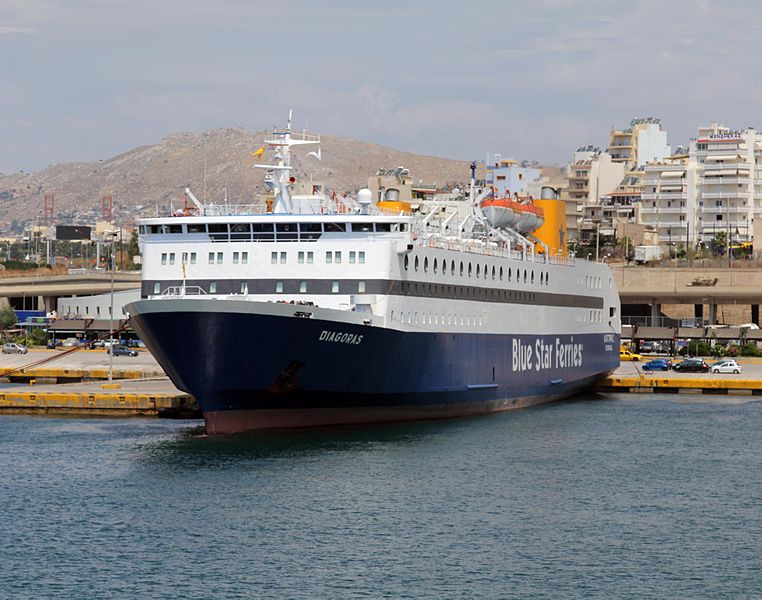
[505,213]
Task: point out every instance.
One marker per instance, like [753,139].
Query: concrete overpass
[697,286]
[40,291]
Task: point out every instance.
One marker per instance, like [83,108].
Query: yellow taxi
[627,355]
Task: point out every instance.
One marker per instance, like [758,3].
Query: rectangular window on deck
[156,288]
[164,258]
[361,257]
[310,258]
[352,256]
[300,258]
[329,257]
[197,228]
[235,258]
[213,287]
[278,287]
[211,258]
[334,227]
[302,287]
[219,258]
[273,258]
[171,258]
[361,287]
[193,258]
[335,287]
[283,258]
[337,257]
[244,258]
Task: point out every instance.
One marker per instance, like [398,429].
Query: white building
[715,187]
[96,307]
[642,142]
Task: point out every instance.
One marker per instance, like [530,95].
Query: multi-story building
[642,142]
[716,186]
[508,176]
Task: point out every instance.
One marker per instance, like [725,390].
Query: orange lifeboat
[506,213]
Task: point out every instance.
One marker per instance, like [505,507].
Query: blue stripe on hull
[252,362]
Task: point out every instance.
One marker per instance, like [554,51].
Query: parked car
[11,348]
[71,343]
[691,365]
[122,351]
[651,347]
[725,366]
[657,364]
[627,355]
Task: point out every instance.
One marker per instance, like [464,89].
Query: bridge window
[310,231]
[218,232]
[197,228]
[173,228]
[240,231]
[334,227]
[286,231]
[383,227]
[263,232]
[362,227]
[154,229]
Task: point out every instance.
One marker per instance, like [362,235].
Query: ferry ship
[319,310]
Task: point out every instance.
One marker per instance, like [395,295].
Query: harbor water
[615,497]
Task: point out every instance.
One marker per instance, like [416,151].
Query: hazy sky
[87,79]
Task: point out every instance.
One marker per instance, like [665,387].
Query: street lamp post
[111,315]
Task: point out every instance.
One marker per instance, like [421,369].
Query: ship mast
[280,142]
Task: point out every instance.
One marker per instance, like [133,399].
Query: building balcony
[724,180]
[735,194]
[664,196]
[656,210]
[722,210]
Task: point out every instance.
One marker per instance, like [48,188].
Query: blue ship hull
[261,371]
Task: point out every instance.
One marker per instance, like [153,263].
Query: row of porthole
[413,318]
[592,316]
[442,290]
[528,276]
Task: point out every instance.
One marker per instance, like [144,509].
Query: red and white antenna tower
[49,209]
[107,208]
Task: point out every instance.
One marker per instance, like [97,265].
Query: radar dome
[365,197]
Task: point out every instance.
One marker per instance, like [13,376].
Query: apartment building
[642,142]
[714,186]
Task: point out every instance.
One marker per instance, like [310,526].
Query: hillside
[148,178]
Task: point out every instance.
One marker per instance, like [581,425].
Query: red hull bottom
[238,421]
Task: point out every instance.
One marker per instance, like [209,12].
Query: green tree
[7,317]
[719,243]
[133,249]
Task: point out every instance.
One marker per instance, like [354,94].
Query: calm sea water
[632,497]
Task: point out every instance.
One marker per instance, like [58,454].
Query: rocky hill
[147,179]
